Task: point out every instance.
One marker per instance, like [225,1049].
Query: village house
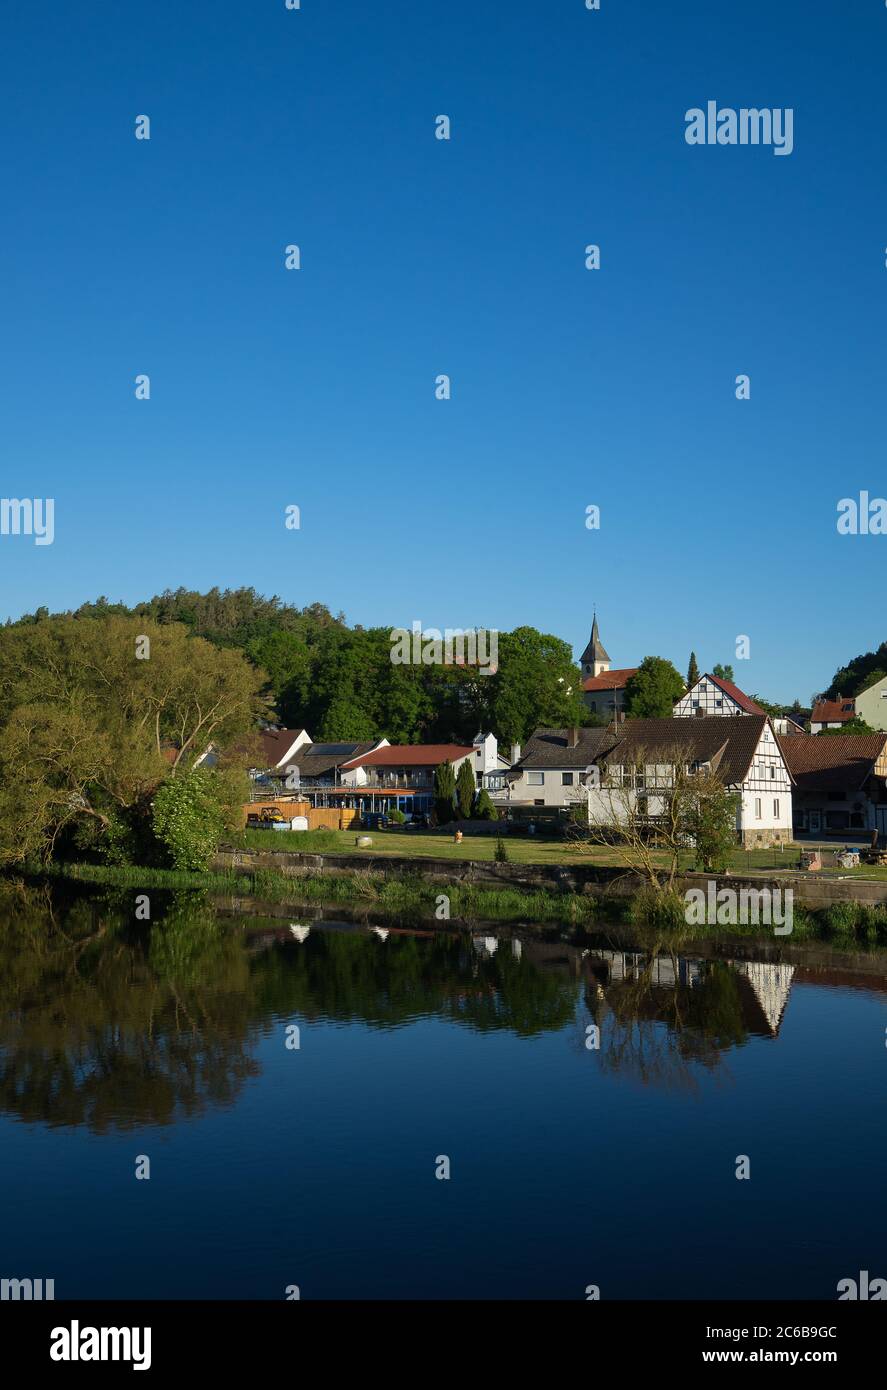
[711,695]
[552,769]
[831,714]
[292,754]
[840,784]
[742,752]
[489,765]
[603,689]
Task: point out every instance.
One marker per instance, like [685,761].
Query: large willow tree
[96,712]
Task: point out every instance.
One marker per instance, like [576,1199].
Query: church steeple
[594,659]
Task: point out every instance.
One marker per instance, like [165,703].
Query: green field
[521,849]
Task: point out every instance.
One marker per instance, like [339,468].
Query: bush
[500,854]
[483,806]
[190,814]
[396,817]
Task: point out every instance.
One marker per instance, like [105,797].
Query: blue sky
[569,387]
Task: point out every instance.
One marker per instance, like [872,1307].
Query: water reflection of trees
[109,1023]
[660,1033]
[347,976]
[112,1025]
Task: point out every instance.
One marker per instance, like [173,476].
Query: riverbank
[407,897]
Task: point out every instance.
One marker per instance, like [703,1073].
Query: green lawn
[521,849]
[524,849]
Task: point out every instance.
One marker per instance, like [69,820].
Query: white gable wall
[765,810]
[708,698]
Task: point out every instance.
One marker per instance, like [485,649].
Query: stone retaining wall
[811,889]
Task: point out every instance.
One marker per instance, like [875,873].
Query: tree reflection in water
[110,1023]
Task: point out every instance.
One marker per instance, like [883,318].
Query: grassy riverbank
[846,923]
[401,897]
[520,849]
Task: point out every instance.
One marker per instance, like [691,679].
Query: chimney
[572,737]
[515,753]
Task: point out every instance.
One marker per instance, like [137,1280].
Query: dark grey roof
[729,744]
[552,748]
[318,759]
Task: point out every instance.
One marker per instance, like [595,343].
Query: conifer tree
[444,792]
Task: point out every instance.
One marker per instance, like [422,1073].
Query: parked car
[267,820]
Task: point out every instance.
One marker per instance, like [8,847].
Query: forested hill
[859,673]
[339,682]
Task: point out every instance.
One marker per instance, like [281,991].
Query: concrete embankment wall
[812,890]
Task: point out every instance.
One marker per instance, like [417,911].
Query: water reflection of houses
[771,984]
[764,985]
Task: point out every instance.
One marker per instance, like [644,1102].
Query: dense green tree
[653,690]
[444,793]
[710,816]
[853,726]
[465,789]
[723,673]
[95,713]
[855,677]
[536,684]
[484,809]
[692,671]
[340,682]
[871,679]
[191,813]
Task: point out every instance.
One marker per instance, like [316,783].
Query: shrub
[483,806]
[189,815]
[500,854]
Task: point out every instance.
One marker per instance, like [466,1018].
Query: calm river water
[274,1165]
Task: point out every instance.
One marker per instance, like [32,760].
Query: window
[566,779]
[592,704]
[718,704]
[776,809]
[757,808]
[535,779]
[772,773]
[538,803]
[695,704]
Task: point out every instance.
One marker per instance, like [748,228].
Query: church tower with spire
[594,660]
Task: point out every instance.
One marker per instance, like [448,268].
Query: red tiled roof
[833,712]
[745,702]
[410,755]
[833,761]
[610,680]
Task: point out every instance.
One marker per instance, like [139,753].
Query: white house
[489,765]
[743,752]
[711,695]
[554,766]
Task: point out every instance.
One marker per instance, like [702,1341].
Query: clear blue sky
[570,387]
